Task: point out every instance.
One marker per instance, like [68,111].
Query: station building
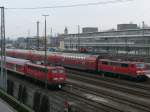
[128,38]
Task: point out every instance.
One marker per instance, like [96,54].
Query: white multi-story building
[132,41]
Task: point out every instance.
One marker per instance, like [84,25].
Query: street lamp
[3,75]
[38,41]
[45,49]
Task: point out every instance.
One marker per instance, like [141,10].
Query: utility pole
[78,29]
[78,37]
[3,76]
[126,45]
[51,32]
[45,49]
[38,41]
[143,26]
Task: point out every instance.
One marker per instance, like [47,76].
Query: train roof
[23,61]
[121,61]
[42,66]
[16,60]
[71,55]
[78,55]
[22,50]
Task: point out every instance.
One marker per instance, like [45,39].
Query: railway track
[98,77]
[96,105]
[82,103]
[141,92]
[89,98]
[99,104]
[120,105]
[138,97]
[114,98]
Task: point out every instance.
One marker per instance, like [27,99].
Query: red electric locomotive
[126,69]
[53,75]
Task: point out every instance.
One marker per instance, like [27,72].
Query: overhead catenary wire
[72,5]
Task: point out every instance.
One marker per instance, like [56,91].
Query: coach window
[140,65]
[115,64]
[112,64]
[105,62]
[124,65]
[17,66]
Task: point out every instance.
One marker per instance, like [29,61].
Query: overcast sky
[23,22]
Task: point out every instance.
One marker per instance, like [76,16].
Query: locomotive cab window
[140,65]
[38,69]
[61,71]
[54,71]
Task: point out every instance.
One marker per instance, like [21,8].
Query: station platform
[4,107]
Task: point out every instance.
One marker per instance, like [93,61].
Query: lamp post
[78,40]
[3,75]
[38,41]
[45,49]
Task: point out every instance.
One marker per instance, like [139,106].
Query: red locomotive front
[138,69]
[57,76]
[122,68]
[53,75]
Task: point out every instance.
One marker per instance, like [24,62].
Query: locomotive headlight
[138,72]
[61,71]
[55,78]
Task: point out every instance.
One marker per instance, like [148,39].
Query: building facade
[89,29]
[136,41]
[127,26]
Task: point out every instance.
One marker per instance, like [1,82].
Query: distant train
[83,50]
[54,76]
[86,62]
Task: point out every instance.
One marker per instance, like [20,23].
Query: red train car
[78,61]
[16,65]
[54,58]
[83,50]
[122,68]
[53,75]
[86,62]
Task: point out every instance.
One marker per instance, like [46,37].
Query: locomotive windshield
[61,71]
[140,65]
[54,71]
